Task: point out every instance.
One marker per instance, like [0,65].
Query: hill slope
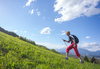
[17,54]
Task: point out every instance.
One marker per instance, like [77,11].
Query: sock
[80,60]
[67,57]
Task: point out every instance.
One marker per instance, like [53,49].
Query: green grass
[17,54]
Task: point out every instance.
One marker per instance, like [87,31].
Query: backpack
[76,39]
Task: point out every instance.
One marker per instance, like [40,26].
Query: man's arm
[66,41]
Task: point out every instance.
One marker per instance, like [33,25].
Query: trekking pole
[69,51]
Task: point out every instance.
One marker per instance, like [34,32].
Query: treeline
[27,40]
[92,60]
[8,32]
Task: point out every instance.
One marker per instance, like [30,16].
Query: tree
[53,50]
[86,58]
[93,60]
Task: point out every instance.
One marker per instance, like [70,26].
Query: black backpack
[76,39]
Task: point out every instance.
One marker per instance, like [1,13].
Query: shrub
[93,60]
[86,58]
[53,50]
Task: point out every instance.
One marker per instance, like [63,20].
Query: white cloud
[31,11]
[91,46]
[63,32]
[38,13]
[15,30]
[46,30]
[87,37]
[51,46]
[25,31]
[29,2]
[71,9]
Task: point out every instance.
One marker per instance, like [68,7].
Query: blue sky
[46,21]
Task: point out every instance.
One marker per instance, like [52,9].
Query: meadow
[18,54]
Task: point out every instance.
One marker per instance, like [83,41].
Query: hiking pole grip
[64,42]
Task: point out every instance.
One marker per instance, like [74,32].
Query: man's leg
[68,49]
[78,55]
[81,61]
[80,58]
[67,54]
[76,51]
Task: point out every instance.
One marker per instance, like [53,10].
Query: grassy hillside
[17,54]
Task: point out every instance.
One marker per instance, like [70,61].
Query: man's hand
[74,45]
[64,40]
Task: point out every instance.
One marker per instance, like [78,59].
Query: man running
[74,40]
